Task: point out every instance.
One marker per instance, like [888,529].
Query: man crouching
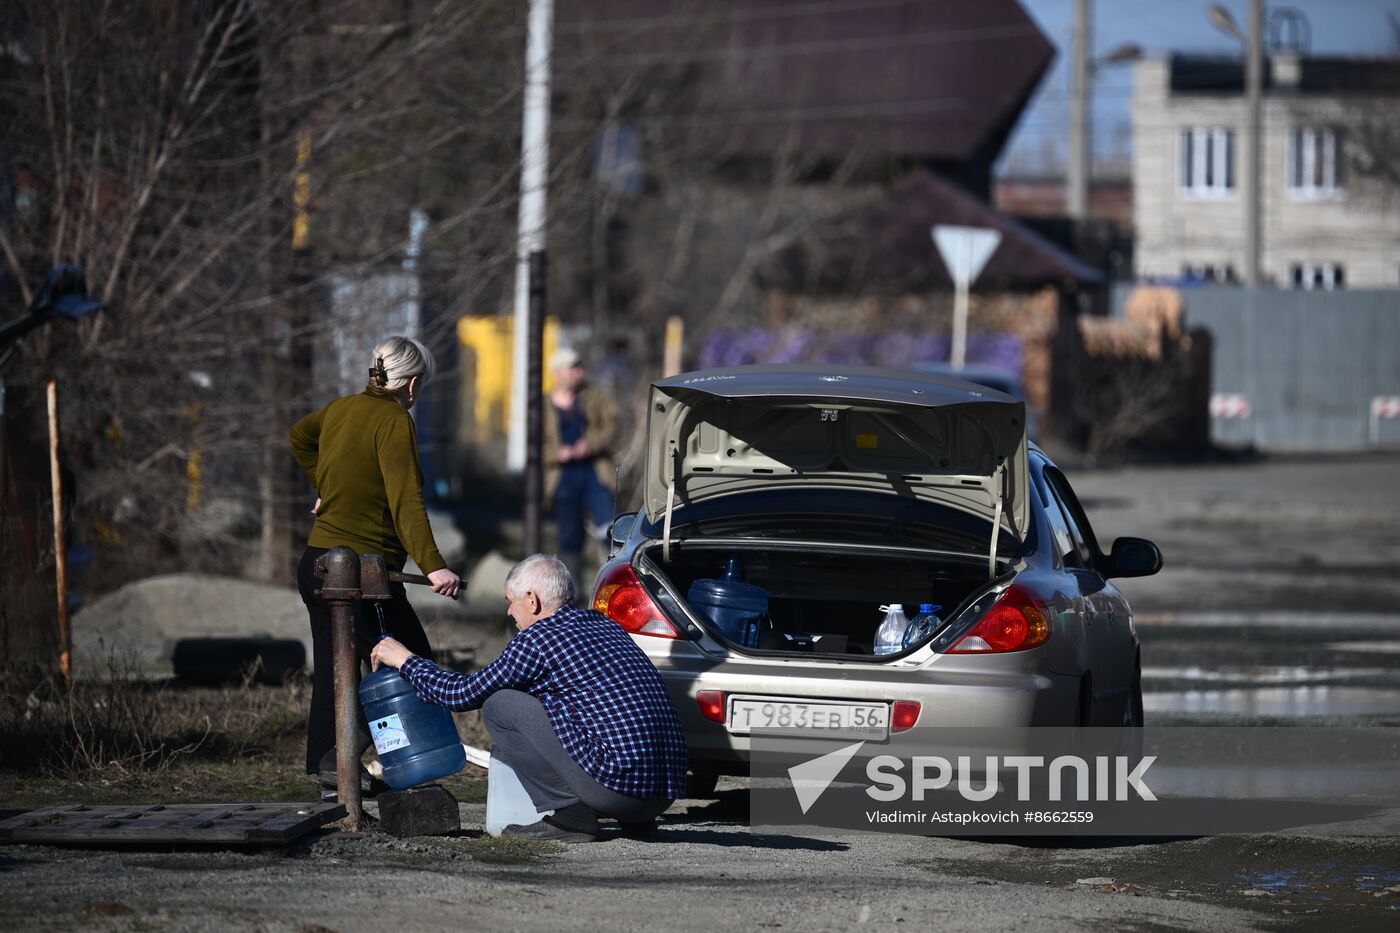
[572,704]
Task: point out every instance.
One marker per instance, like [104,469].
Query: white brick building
[1329,218]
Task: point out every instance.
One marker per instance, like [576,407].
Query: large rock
[452,544]
[435,611]
[419,811]
[139,626]
[486,586]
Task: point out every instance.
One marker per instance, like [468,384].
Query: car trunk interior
[815,591]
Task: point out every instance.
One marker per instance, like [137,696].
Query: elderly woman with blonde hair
[361,453]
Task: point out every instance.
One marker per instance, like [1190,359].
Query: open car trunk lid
[728,432]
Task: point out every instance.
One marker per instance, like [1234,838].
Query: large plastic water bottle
[734,607]
[417,742]
[922,625]
[889,637]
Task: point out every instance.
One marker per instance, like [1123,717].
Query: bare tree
[213,166]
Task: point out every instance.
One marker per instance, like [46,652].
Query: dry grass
[125,725]
[128,740]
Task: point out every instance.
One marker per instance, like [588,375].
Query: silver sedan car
[785,506]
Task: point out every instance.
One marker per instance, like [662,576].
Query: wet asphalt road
[1280,597]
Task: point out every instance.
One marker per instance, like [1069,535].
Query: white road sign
[965,250]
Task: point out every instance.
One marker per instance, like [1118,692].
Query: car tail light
[904,715]
[711,704]
[622,598]
[1016,621]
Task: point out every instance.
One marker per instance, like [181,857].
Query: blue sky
[1339,27]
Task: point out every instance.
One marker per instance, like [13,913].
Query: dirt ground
[706,872]
[1281,579]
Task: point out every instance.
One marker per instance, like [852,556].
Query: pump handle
[396,576]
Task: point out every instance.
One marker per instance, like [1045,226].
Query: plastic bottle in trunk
[889,637]
[923,625]
[417,742]
[733,607]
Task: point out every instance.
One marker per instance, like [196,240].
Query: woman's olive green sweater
[361,452]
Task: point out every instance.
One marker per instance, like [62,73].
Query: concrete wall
[1359,227]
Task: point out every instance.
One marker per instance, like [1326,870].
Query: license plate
[801,717]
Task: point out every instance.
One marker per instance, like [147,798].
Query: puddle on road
[1378,621]
[1366,647]
[1324,882]
[1353,677]
[1376,786]
[1297,701]
[1280,674]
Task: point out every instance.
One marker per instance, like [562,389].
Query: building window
[1317,275]
[1221,272]
[1207,161]
[1314,163]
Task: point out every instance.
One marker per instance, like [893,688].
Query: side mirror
[621,528]
[1134,557]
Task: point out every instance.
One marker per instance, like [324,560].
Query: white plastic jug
[889,638]
[506,800]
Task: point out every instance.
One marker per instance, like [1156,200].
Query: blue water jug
[734,607]
[417,742]
[923,625]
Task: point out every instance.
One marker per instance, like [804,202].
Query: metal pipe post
[60,537]
[339,571]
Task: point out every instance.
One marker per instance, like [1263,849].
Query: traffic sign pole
[959,350]
[965,251]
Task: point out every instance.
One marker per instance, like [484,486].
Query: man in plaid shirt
[573,706]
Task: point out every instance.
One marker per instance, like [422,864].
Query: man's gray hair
[544,575]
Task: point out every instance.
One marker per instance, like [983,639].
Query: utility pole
[1080,144]
[534,171]
[1254,145]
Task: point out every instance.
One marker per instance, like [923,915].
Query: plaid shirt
[603,696]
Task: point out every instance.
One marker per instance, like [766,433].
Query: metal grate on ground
[170,824]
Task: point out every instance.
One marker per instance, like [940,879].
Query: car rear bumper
[953,691]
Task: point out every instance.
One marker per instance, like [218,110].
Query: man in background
[581,433]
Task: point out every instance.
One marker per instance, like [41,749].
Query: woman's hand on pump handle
[445,583]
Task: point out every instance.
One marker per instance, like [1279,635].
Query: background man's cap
[565,357]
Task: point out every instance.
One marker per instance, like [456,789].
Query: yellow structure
[301,194]
[486,369]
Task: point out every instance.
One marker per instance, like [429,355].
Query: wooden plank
[201,824]
[35,817]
